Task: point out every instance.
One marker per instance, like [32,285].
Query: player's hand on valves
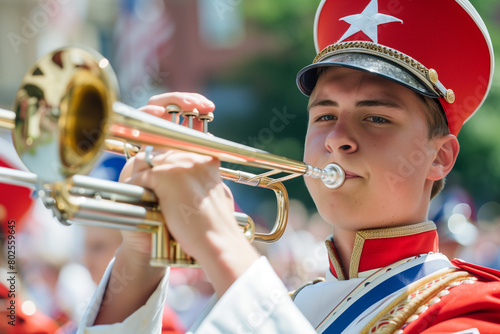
[188,185]
[141,242]
[196,205]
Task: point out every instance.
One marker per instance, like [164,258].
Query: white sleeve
[257,302]
[147,319]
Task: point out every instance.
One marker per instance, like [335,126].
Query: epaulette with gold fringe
[415,301]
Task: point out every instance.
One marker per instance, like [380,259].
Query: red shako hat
[440,49]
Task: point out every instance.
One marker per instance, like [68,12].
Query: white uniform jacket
[258,302]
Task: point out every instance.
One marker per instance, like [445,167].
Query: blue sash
[380,290]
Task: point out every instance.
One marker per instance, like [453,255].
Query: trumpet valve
[206,118]
[173,109]
[190,115]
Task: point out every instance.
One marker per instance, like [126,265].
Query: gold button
[450,96]
[433,75]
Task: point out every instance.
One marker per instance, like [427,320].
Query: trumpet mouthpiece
[333,176]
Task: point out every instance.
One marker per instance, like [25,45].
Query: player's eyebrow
[388,103]
[378,103]
[322,103]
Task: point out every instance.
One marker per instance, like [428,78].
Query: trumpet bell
[63,109]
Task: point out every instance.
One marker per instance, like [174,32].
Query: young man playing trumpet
[377,108]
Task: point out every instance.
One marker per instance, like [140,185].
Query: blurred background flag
[143,31]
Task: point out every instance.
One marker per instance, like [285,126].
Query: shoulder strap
[483,273]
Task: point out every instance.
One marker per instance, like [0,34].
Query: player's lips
[350,175]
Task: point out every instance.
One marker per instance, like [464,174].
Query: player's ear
[447,148]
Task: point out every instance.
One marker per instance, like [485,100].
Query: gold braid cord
[377,50]
[415,300]
[427,76]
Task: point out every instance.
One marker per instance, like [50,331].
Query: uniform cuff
[152,311]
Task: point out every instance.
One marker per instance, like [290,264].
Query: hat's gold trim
[428,76]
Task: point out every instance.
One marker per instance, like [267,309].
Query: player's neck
[344,245]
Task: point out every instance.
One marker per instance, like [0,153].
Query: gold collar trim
[363,235]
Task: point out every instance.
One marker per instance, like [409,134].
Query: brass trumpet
[66,112]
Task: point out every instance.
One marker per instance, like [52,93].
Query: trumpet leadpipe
[137,127]
[144,129]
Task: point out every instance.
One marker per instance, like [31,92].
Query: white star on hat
[367,22]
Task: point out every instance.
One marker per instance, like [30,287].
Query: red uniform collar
[376,248]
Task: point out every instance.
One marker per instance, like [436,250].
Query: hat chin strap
[427,76]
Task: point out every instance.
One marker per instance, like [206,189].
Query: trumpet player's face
[377,130]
